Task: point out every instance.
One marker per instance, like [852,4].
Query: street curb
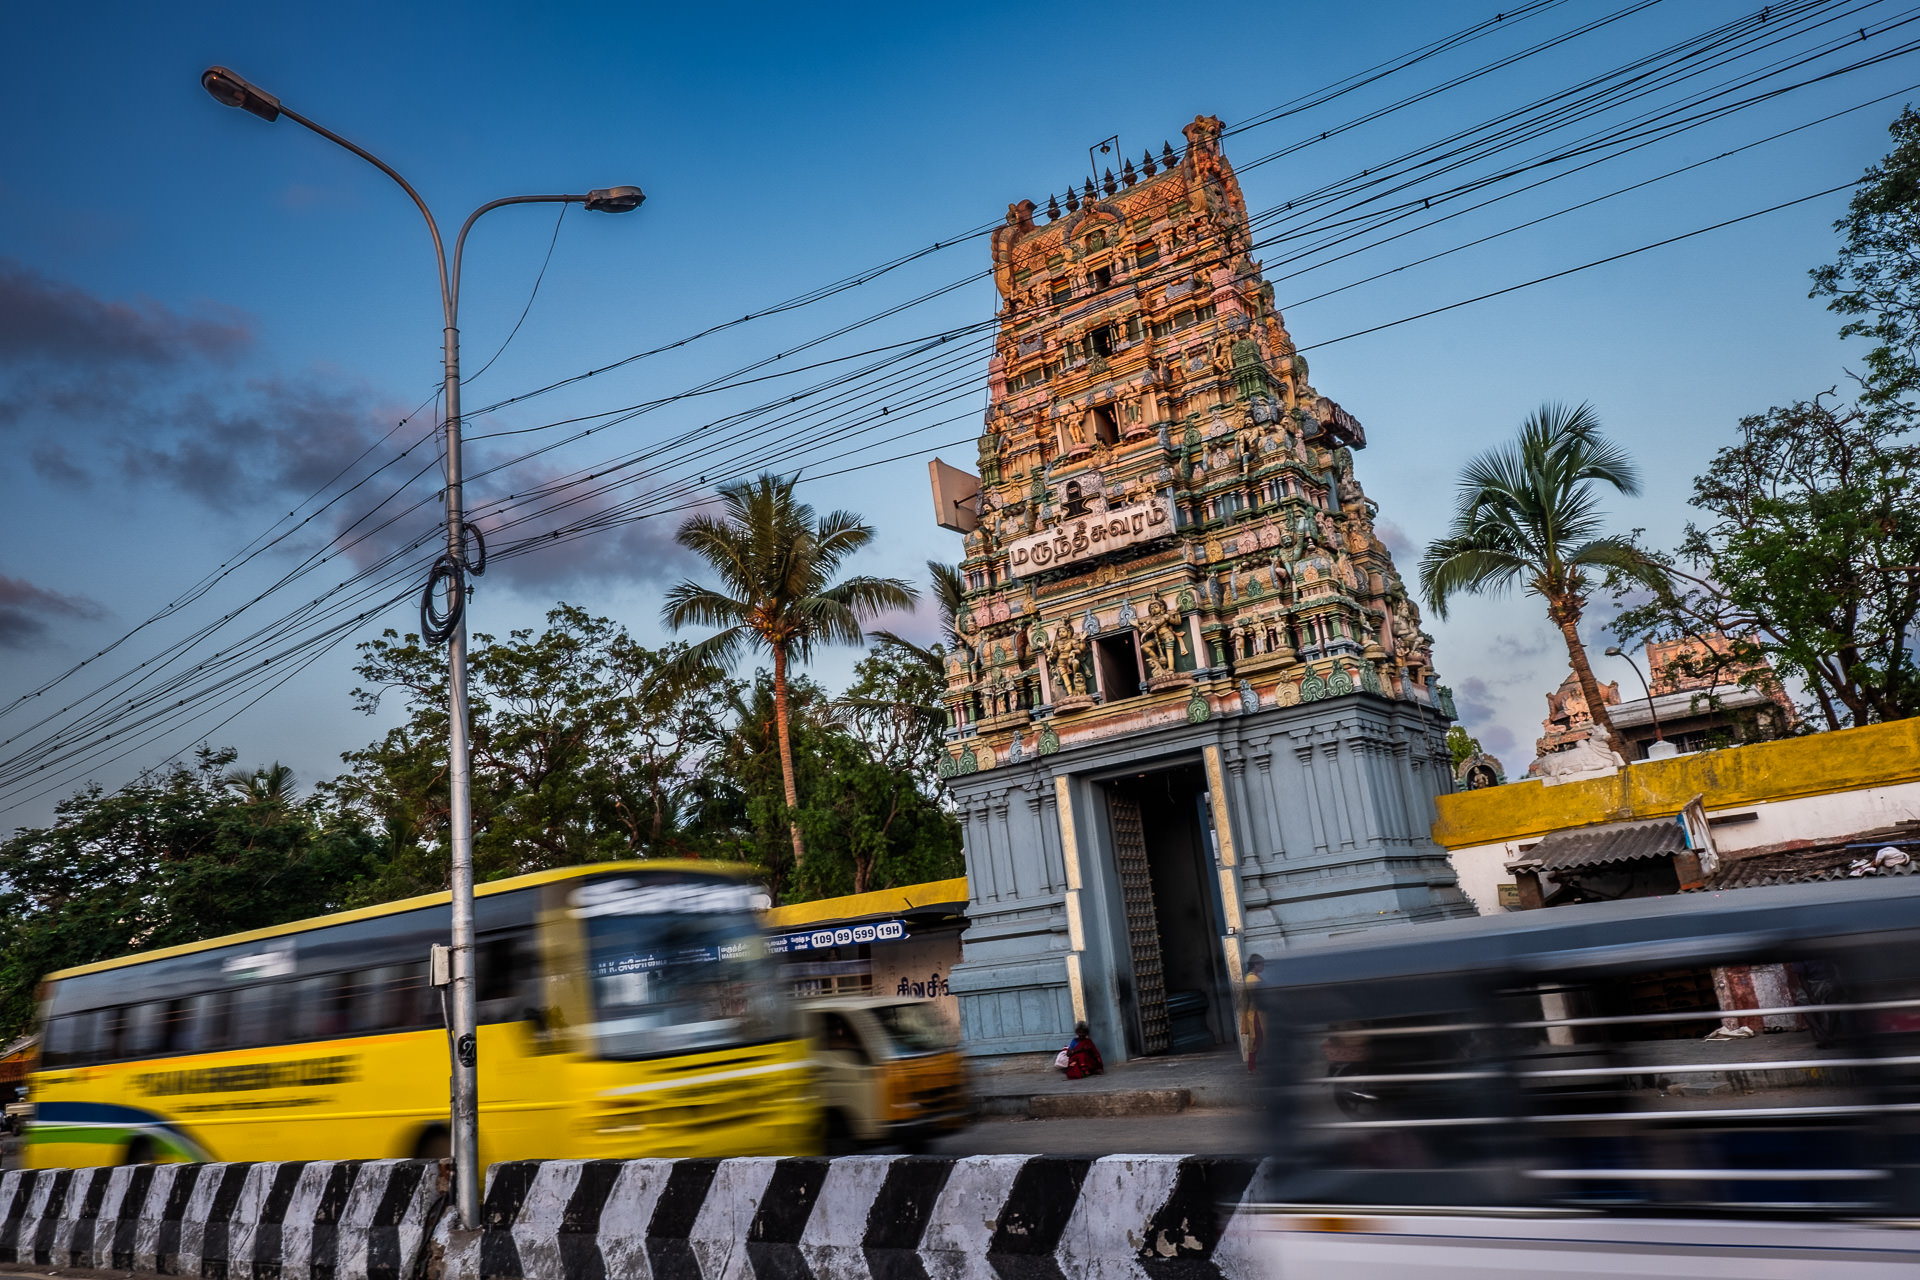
[1128,1102]
[1113,1102]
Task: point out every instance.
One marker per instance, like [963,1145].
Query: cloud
[1476,700]
[152,396]
[264,438]
[88,384]
[52,322]
[1479,705]
[50,460]
[1402,548]
[1496,739]
[519,518]
[921,625]
[25,610]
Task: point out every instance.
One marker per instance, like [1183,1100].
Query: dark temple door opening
[1178,998]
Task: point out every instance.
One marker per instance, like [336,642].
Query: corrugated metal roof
[1606,843]
[1812,865]
[1737,876]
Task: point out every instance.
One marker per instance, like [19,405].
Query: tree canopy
[1528,513]
[1808,557]
[775,563]
[586,746]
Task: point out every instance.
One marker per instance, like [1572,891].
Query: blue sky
[204,317]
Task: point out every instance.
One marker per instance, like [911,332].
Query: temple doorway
[1175,994]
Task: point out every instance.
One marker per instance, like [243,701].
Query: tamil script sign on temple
[1084,537]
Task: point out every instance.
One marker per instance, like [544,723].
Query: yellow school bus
[626,1009]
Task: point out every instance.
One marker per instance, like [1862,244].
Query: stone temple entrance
[1178,995]
[1191,712]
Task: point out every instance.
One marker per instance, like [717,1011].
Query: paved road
[1200,1132]
[1211,1131]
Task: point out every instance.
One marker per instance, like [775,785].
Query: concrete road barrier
[319,1220]
[855,1218]
[858,1217]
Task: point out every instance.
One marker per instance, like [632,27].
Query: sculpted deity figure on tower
[1064,657]
[1164,640]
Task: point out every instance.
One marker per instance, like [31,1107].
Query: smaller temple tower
[1183,648]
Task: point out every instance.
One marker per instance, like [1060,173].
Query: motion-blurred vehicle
[626,1009]
[1703,1085]
[889,1072]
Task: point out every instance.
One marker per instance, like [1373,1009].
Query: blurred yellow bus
[626,1009]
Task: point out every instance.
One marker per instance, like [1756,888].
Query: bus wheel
[434,1144]
[139,1151]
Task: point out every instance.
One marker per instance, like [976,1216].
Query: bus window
[86,1036]
[175,1031]
[211,1018]
[253,1020]
[671,982]
[505,970]
[111,1035]
[366,999]
[57,1051]
[144,1023]
[319,1007]
[406,998]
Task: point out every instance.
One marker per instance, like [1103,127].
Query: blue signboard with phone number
[840,936]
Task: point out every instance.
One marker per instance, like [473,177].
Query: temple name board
[1085,537]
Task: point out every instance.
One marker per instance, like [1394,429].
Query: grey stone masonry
[1321,814]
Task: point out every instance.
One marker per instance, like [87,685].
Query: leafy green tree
[776,564]
[1529,513]
[585,746]
[1806,561]
[174,857]
[1461,745]
[872,810]
[869,826]
[894,708]
[1809,559]
[1876,279]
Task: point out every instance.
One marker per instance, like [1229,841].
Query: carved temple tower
[1193,713]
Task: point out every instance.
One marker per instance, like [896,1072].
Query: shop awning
[934,898]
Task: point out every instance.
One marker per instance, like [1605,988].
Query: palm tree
[948,589]
[272,786]
[776,564]
[1528,512]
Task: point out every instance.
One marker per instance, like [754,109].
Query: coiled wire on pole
[437,627]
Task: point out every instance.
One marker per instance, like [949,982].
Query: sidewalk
[1028,1085]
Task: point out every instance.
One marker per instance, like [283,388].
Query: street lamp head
[230,90]
[615,199]
[1614,651]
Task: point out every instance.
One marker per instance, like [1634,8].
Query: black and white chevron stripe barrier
[854,1218]
[861,1218]
[319,1220]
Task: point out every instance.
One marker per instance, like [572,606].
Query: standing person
[1253,1027]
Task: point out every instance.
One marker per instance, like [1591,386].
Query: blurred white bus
[1704,1085]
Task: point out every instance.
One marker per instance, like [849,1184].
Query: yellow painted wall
[1819,764]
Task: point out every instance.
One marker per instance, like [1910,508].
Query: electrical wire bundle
[814,407]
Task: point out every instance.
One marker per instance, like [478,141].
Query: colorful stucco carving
[1170,523]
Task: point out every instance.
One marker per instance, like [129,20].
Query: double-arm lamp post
[449,574]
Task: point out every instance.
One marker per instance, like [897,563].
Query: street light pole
[451,570]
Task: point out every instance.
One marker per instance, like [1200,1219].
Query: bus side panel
[366,1097]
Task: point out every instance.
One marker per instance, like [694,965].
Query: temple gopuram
[1193,714]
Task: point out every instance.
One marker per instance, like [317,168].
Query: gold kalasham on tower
[1192,712]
